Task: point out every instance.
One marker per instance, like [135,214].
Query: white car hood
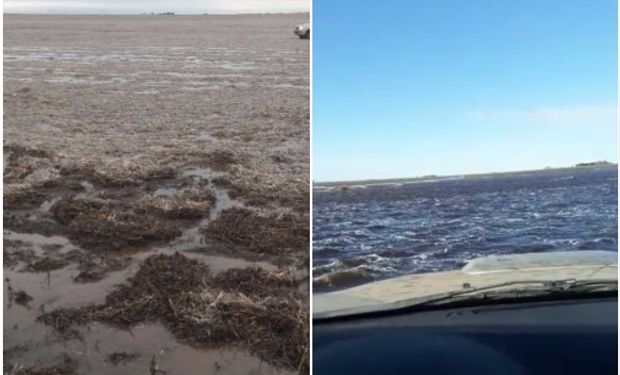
[478,273]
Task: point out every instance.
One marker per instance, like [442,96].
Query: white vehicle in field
[303,31]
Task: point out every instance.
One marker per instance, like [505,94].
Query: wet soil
[250,307]
[155,194]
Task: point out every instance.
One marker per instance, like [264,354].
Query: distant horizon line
[148,13]
[433,176]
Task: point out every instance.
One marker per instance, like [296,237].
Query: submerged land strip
[328,185]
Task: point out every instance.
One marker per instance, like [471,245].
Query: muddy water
[98,342]
[222,199]
[38,242]
[57,289]
[192,239]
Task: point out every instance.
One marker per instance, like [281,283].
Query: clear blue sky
[407,88]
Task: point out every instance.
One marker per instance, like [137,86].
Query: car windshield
[449,142]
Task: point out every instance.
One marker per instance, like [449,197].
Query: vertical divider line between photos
[2,153]
[311,183]
[617,140]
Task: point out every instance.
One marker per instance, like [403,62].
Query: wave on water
[381,231]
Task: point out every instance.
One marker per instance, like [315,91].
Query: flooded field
[155,194]
[372,232]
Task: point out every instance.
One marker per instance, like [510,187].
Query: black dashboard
[564,337]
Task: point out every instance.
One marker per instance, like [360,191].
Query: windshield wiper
[511,290]
[522,288]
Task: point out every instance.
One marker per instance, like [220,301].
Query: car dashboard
[561,337]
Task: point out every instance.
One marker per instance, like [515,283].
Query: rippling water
[374,232]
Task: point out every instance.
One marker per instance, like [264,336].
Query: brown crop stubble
[260,310]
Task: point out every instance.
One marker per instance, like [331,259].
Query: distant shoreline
[434,178]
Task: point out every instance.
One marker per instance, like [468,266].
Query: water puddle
[201,88]
[57,289]
[87,186]
[86,81]
[45,206]
[237,66]
[288,146]
[286,86]
[147,92]
[5,160]
[166,192]
[216,263]
[199,174]
[39,243]
[206,136]
[223,202]
[222,199]
[192,239]
[146,343]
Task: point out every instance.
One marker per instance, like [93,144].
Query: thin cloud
[600,115]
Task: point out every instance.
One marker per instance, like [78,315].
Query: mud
[248,306]
[65,366]
[121,357]
[133,137]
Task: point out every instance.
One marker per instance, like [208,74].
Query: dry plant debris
[206,310]
[121,357]
[275,234]
[22,298]
[192,203]
[96,222]
[45,265]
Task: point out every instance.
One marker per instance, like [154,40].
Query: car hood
[478,273]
